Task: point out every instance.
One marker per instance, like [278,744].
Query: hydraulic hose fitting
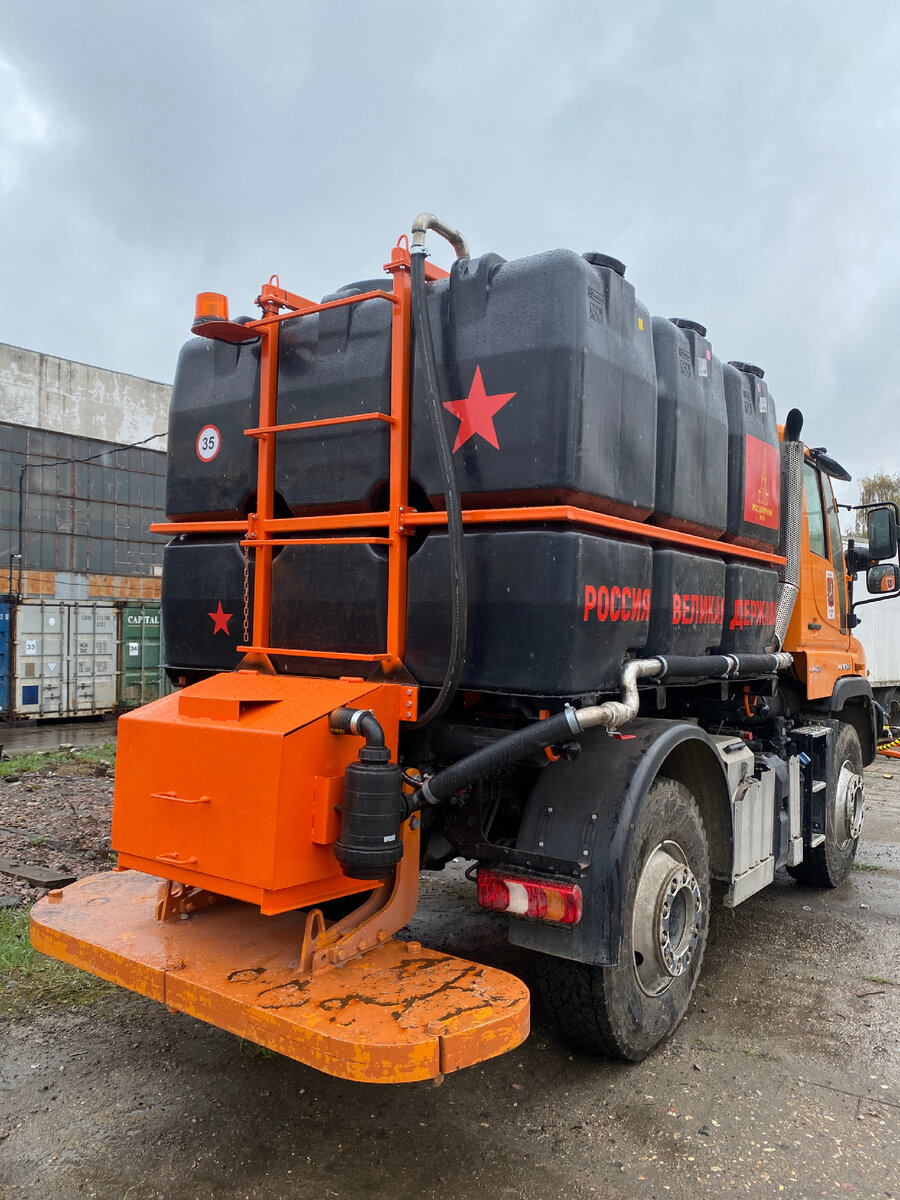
[425,221]
[362,722]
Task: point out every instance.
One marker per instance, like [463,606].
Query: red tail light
[559,902]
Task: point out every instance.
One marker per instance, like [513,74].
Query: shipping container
[141,675]
[65,656]
[5,658]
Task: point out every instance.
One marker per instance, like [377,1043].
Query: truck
[486,564]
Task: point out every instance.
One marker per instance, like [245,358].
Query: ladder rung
[264,430]
[337,654]
[257,543]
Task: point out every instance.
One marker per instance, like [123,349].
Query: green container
[166,687]
[141,673]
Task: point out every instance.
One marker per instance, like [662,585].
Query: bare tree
[875,488]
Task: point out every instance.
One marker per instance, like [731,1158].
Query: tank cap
[604,260]
[684,323]
[747,368]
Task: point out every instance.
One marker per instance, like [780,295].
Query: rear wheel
[829,864]
[626,1010]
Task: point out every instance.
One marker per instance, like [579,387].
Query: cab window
[814,511]
[837,551]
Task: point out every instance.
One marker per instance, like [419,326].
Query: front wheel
[830,863]
[626,1010]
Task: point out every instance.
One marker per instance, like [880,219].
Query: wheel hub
[667,916]
[850,804]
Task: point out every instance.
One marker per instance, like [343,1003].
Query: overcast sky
[740,157]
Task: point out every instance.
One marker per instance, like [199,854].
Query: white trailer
[879,632]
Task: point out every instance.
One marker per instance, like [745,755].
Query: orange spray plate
[395,1014]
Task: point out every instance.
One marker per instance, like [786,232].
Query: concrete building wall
[40,391]
[67,432]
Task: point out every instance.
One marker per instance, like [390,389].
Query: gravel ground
[57,819]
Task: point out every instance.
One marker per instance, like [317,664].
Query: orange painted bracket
[399,261]
[395,1014]
[224,331]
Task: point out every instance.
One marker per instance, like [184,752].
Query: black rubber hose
[365,724]
[509,749]
[434,395]
[700,666]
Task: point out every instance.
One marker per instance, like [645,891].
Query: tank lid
[684,323]
[604,260]
[747,368]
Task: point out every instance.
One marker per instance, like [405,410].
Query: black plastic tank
[551,390]
[323,598]
[203,603]
[331,598]
[691,430]
[211,467]
[754,470]
[550,612]
[336,363]
[551,385]
[751,602]
[551,397]
[688,603]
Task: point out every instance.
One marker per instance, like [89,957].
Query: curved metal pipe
[613,713]
[427,220]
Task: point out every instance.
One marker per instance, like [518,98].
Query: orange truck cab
[486,564]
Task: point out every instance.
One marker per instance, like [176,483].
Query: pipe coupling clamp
[572,718]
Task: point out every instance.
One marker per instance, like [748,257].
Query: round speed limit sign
[208,442]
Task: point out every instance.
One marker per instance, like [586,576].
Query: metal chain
[246,595]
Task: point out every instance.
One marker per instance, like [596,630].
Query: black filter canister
[369,845]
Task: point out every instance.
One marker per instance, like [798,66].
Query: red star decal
[220,620]
[476,413]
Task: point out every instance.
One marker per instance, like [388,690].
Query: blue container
[5,657]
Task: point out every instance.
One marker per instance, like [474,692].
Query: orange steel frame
[262,531]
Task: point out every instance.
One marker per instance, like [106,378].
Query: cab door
[827,583]
[819,626]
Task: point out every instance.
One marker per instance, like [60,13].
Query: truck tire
[829,864]
[626,1010]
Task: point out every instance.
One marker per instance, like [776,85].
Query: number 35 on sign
[208,441]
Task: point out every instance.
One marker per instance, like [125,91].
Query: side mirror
[883,579]
[882,534]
